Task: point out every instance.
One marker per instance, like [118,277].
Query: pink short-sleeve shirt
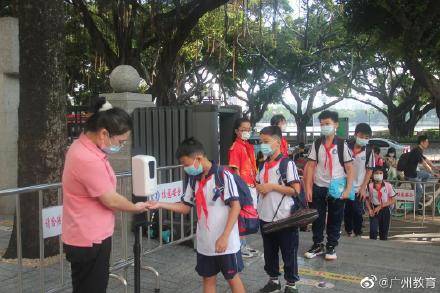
[87,175]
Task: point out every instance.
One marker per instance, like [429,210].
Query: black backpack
[339,142]
[402,164]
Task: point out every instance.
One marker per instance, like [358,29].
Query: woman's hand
[141,207]
[153,205]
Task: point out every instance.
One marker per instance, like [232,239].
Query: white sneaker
[250,249]
[330,254]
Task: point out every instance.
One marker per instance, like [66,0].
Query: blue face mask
[112,149]
[193,171]
[266,149]
[327,130]
[362,141]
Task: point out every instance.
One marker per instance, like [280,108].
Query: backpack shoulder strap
[368,151]
[341,146]
[318,143]
[284,164]
[219,177]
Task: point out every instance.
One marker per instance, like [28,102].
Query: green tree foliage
[310,54]
[405,100]
[404,29]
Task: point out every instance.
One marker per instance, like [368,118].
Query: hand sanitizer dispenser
[144,175]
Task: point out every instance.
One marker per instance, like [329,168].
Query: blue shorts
[228,264]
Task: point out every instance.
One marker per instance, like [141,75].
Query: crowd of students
[341,179]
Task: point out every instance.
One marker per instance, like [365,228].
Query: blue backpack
[284,163]
[248,222]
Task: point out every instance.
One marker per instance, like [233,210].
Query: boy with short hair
[276,188]
[381,196]
[329,159]
[363,164]
[218,241]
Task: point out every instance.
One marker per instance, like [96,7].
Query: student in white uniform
[381,196]
[218,241]
[329,161]
[277,183]
[363,164]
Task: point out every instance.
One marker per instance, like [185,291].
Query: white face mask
[327,130]
[378,177]
[245,135]
[362,141]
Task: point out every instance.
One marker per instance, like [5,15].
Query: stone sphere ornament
[124,78]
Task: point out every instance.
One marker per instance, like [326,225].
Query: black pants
[286,241]
[354,210]
[90,266]
[335,208]
[380,222]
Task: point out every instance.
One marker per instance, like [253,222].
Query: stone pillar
[124,80]
[9,99]
[128,101]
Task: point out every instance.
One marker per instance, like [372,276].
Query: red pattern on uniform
[284,148]
[242,157]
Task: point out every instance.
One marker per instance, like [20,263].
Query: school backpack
[248,221]
[339,142]
[341,145]
[402,164]
[284,163]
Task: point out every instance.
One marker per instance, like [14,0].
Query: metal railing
[429,199]
[120,262]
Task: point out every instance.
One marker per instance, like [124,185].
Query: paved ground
[412,252]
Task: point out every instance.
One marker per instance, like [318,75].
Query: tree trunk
[399,127]
[301,125]
[41,115]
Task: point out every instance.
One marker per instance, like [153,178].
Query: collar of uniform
[276,159]
[214,169]
[88,143]
[323,140]
[381,186]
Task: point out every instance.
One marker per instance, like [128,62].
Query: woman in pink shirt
[90,197]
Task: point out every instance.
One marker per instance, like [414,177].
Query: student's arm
[180,207]
[291,190]
[309,171]
[117,202]
[390,201]
[350,176]
[222,242]
[427,166]
[363,187]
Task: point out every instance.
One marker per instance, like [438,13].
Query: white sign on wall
[169,192]
[52,221]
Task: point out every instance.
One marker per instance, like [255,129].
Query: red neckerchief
[250,153]
[284,148]
[201,205]
[328,158]
[379,192]
[357,153]
[269,165]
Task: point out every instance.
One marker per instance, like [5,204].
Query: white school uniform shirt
[218,212]
[385,195]
[360,166]
[322,176]
[268,204]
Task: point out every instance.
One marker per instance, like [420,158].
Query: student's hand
[221,244]
[141,207]
[345,194]
[153,205]
[264,188]
[362,194]
[377,209]
[371,213]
